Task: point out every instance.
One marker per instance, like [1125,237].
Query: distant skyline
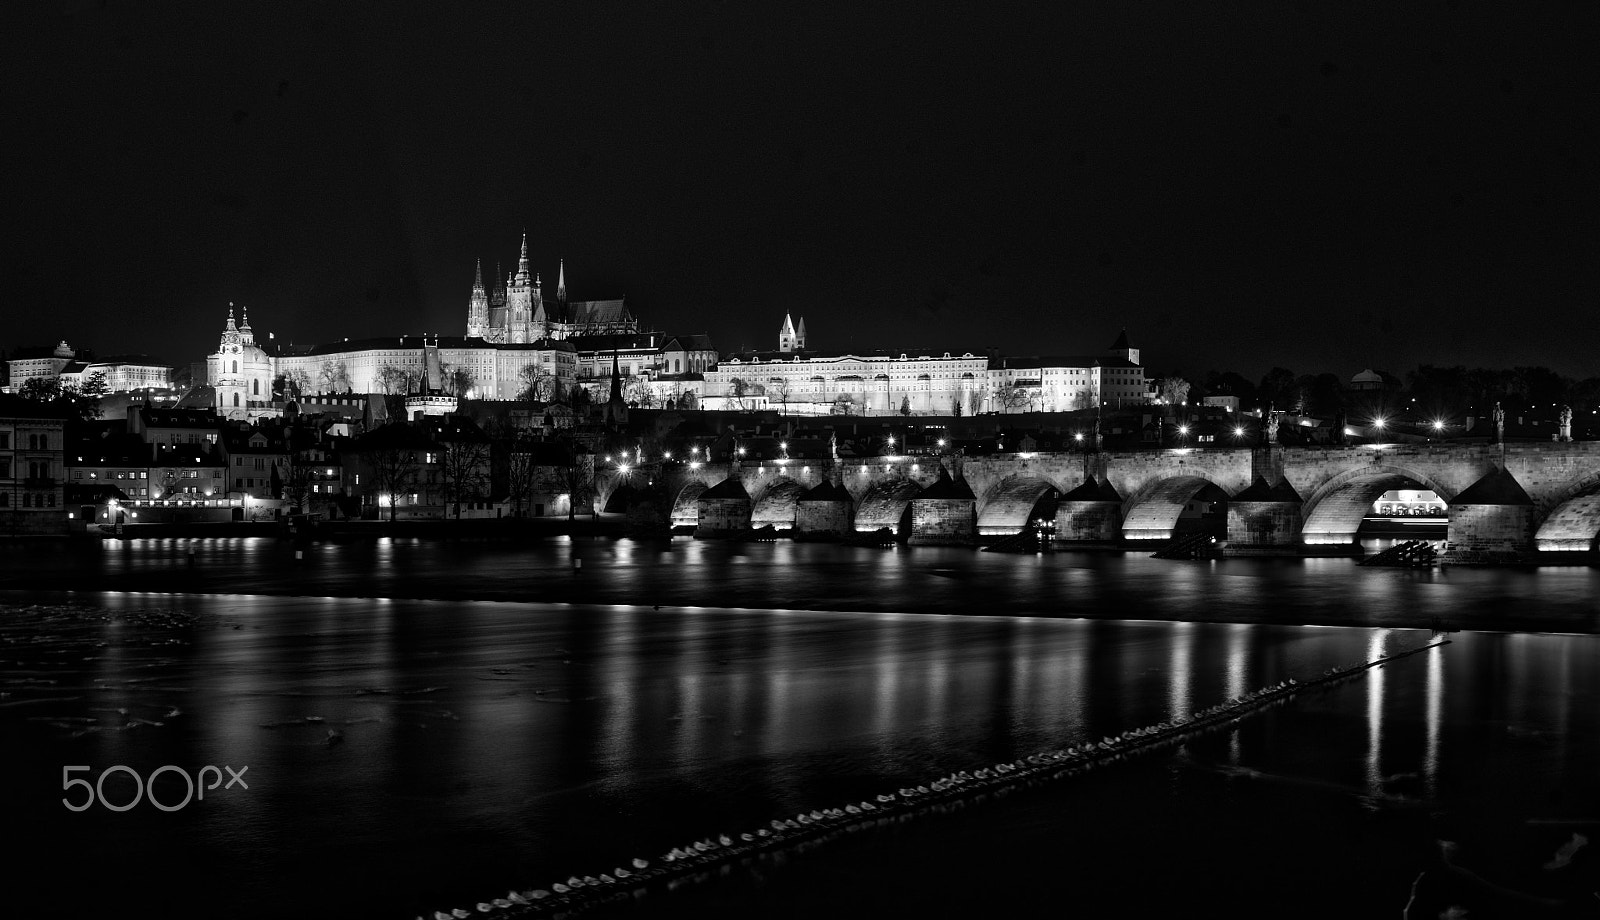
[1240,188]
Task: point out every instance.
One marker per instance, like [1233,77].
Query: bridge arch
[777,504]
[1009,504]
[686,507]
[887,504]
[1153,512]
[1333,513]
[1574,523]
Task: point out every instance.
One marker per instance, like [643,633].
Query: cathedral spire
[477,278]
[561,283]
[522,260]
[231,327]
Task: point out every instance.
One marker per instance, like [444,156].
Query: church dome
[1366,380]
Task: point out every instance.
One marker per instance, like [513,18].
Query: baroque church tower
[240,372]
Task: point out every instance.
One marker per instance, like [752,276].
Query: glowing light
[941,442]
[1438,424]
[666,455]
[741,452]
[1183,429]
[1078,436]
[1238,431]
[1378,423]
[622,468]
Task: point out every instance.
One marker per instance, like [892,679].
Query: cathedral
[516,312]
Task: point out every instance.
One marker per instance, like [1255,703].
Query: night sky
[1240,185]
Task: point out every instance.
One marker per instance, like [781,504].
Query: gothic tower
[519,298]
[478,307]
[561,293]
[616,411]
[786,335]
[497,307]
[539,326]
[800,337]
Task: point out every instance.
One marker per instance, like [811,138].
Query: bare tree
[394,470]
[458,381]
[778,388]
[1015,397]
[977,397]
[521,469]
[538,384]
[392,379]
[334,377]
[638,393]
[577,475]
[743,393]
[464,468]
[1174,390]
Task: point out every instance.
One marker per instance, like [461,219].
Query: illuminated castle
[516,311]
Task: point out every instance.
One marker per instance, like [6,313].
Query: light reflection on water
[816,576]
[486,745]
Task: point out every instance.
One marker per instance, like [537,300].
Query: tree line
[1429,390]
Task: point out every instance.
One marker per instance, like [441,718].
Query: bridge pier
[724,510]
[1493,517]
[824,513]
[944,514]
[1091,513]
[1265,515]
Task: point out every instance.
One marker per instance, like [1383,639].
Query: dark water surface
[482,745]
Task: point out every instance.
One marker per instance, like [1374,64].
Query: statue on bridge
[1499,424]
[1566,424]
[1099,437]
[1272,426]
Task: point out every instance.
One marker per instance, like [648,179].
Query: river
[429,725]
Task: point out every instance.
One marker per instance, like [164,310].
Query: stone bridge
[1513,498]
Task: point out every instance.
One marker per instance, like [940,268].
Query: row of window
[30,500]
[35,441]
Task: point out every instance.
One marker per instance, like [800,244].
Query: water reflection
[1433,717]
[1376,645]
[563,734]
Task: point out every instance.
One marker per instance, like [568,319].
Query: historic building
[517,313]
[32,469]
[240,371]
[32,363]
[813,383]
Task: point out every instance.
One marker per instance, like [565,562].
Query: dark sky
[1241,185]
